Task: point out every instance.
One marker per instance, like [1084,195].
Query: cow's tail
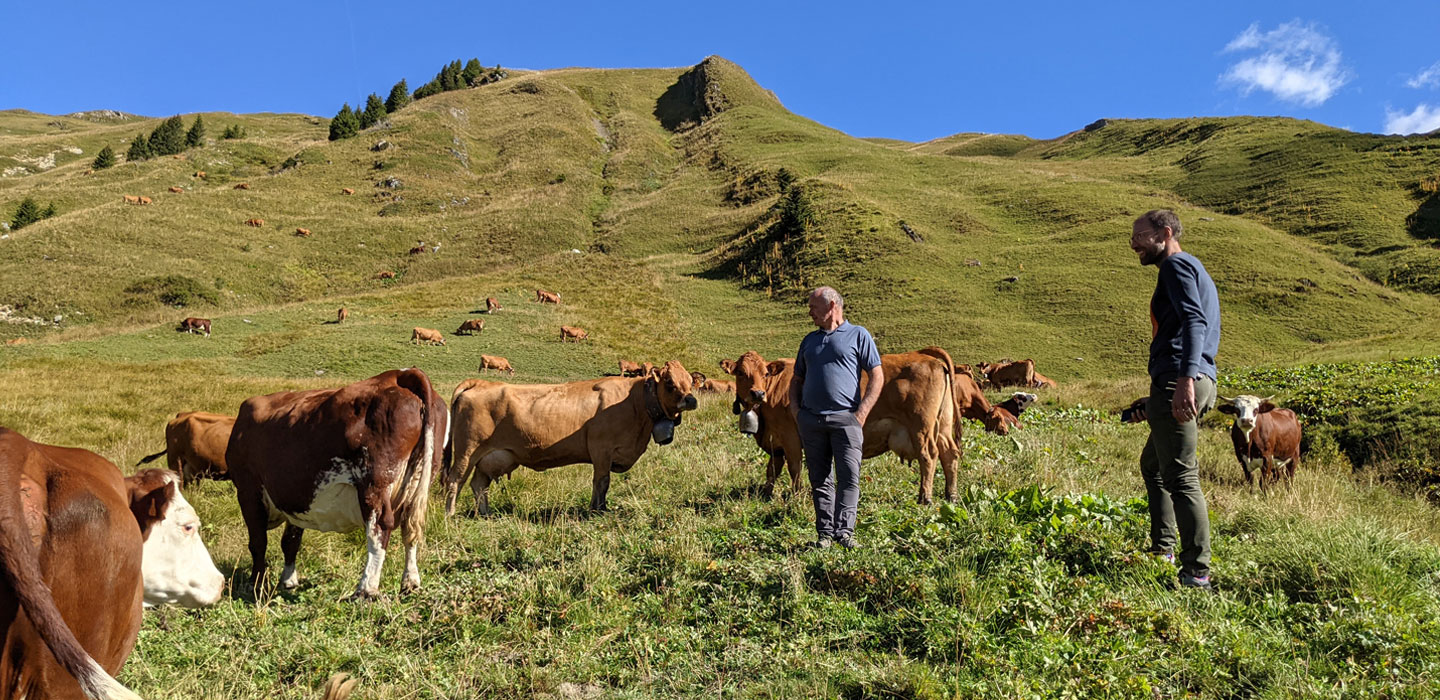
[456,472]
[413,499]
[21,568]
[151,458]
[953,432]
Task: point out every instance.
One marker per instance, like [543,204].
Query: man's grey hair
[1158,219]
[829,294]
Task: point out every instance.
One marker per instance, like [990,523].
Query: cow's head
[1245,408]
[175,565]
[751,375]
[1000,421]
[1023,399]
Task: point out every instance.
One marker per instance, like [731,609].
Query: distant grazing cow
[1003,373]
[257,223]
[195,445]
[545,297]
[607,422]
[492,305]
[200,174]
[360,456]
[302,232]
[427,335]
[1043,382]
[568,333]
[341,315]
[1265,436]
[17,341]
[471,326]
[495,362]
[346,190]
[417,250]
[90,172]
[629,369]
[132,199]
[242,186]
[1017,403]
[192,324]
[385,275]
[83,550]
[146,200]
[178,190]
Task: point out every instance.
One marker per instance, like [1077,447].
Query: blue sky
[913,71]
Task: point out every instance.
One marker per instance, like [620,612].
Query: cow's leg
[290,547]
[927,479]
[772,473]
[795,462]
[375,537]
[600,484]
[411,581]
[257,522]
[1249,475]
[950,463]
[480,486]
[1290,470]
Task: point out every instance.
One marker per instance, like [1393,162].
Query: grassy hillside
[663,206]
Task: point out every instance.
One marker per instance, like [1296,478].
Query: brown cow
[91,171]
[358,456]
[417,250]
[302,232]
[1264,436]
[471,326]
[178,190]
[341,315]
[346,190]
[1043,382]
[606,422]
[631,369]
[970,402]
[83,550]
[492,305]
[242,186]
[1003,373]
[385,275]
[257,223]
[200,174]
[146,200]
[572,333]
[715,386]
[545,297]
[195,445]
[427,335]
[495,362]
[915,416]
[192,324]
[132,199]
[728,366]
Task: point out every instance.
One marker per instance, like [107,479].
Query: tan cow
[146,200]
[302,232]
[132,199]
[341,315]
[970,402]
[346,190]
[242,186]
[257,223]
[630,369]
[1043,382]
[178,190]
[427,335]
[495,362]
[1004,373]
[195,445]
[606,422]
[914,418]
[492,305]
[471,327]
[545,297]
[200,174]
[385,275]
[568,333]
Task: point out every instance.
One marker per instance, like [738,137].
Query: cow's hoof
[767,493]
[924,500]
[410,584]
[363,596]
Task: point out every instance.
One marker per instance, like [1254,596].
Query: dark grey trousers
[834,438]
[1172,477]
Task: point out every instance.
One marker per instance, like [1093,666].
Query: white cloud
[1430,77]
[1423,120]
[1296,63]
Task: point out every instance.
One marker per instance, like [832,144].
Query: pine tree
[105,159]
[450,76]
[428,89]
[196,135]
[472,73]
[168,138]
[139,150]
[374,111]
[49,211]
[399,97]
[345,124]
[28,213]
[234,131]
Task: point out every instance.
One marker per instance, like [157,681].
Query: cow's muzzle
[689,404]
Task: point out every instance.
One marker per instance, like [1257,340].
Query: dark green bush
[171,290]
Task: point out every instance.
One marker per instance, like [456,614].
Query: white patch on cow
[289,578]
[174,564]
[412,566]
[335,507]
[374,559]
[274,517]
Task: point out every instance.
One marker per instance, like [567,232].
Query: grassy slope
[692,586]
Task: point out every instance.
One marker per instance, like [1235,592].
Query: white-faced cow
[82,550]
[337,460]
[1265,436]
[607,422]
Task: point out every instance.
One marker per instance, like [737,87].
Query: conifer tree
[428,89]
[28,213]
[196,135]
[472,73]
[345,124]
[49,211]
[139,150]
[374,111]
[234,131]
[105,159]
[399,97]
[168,138]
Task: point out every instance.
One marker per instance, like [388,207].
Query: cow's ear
[774,368]
[1266,407]
[149,501]
[1228,408]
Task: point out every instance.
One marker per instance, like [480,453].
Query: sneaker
[847,541]
[1168,557]
[1188,581]
[822,543]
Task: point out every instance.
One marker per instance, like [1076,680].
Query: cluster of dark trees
[30,212]
[167,139]
[349,122]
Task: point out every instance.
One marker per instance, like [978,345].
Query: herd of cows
[85,548]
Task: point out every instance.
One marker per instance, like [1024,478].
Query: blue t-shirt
[829,365]
[1186,309]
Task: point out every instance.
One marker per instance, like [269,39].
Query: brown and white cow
[545,297]
[192,324]
[419,249]
[80,549]
[200,174]
[337,460]
[915,416]
[1017,403]
[471,326]
[1265,437]
[195,443]
[970,402]
[342,314]
[606,422]
[492,305]
[385,275]
[495,362]
[426,335]
[242,186]
[568,333]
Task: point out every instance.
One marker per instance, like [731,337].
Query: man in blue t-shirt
[1185,318]
[829,410]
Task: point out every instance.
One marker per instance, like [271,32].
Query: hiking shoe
[847,541]
[1168,557]
[1201,582]
[822,543]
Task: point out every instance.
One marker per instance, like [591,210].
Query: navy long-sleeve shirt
[1186,310]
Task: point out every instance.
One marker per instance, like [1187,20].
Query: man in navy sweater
[1185,316]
